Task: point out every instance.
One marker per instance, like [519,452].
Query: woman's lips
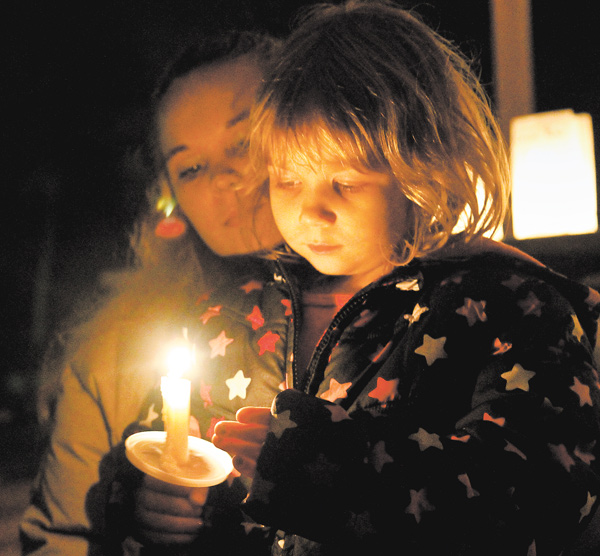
[323,248]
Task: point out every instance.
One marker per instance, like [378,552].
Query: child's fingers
[236,447]
[239,431]
[255,415]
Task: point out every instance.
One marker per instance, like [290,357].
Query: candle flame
[179,360]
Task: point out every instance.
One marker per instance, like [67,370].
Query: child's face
[345,222]
[203,124]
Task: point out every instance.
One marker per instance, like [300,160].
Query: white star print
[379,457]
[281,423]
[464,479]
[587,508]
[238,385]
[518,377]
[416,314]
[432,349]
[577,330]
[337,413]
[152,415]
[426,440]
[419,504]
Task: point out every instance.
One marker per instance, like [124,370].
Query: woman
[198,156]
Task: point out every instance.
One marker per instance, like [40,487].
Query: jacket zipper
[322,347]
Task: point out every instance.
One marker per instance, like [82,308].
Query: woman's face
[203,127]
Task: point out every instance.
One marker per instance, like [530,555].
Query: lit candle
[176,405]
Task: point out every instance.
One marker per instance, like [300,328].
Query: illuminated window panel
[553,174]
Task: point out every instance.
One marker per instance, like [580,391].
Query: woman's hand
[167,513]
[244,438]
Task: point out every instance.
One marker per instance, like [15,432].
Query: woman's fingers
[167,513]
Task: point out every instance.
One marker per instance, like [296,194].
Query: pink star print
[288,307]
[202,298]
[218,344]
[381,352]
[205,393]
[210,313]
[501,347]
[418,504]
[256,318]
[386,390]
[211,427]
[464,438]
[336,390]
[340,300]
[267,342]
[251,285]
[473,311]
[583,391]
[497,420]
[364,318]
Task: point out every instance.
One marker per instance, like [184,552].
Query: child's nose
[315,212]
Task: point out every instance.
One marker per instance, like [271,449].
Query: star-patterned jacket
[452,407]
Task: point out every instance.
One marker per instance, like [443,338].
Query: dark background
[75,81]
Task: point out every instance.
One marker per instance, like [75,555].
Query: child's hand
[168,514]
[244,438]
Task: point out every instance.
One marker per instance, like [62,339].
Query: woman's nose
[226,179]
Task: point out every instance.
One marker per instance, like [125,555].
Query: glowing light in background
[554,175]
[497,234]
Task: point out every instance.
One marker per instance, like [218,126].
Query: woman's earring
[169,226]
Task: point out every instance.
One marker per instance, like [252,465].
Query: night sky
[75,83]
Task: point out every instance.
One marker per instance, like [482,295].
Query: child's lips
[323,248]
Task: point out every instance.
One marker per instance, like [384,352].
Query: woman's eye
[190,172]
[238,150]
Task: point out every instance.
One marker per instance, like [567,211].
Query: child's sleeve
[493,457]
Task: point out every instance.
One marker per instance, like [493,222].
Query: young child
[442,393]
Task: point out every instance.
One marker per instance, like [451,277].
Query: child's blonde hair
[370,83]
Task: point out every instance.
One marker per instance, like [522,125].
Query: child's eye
[342,187]
[287,184]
